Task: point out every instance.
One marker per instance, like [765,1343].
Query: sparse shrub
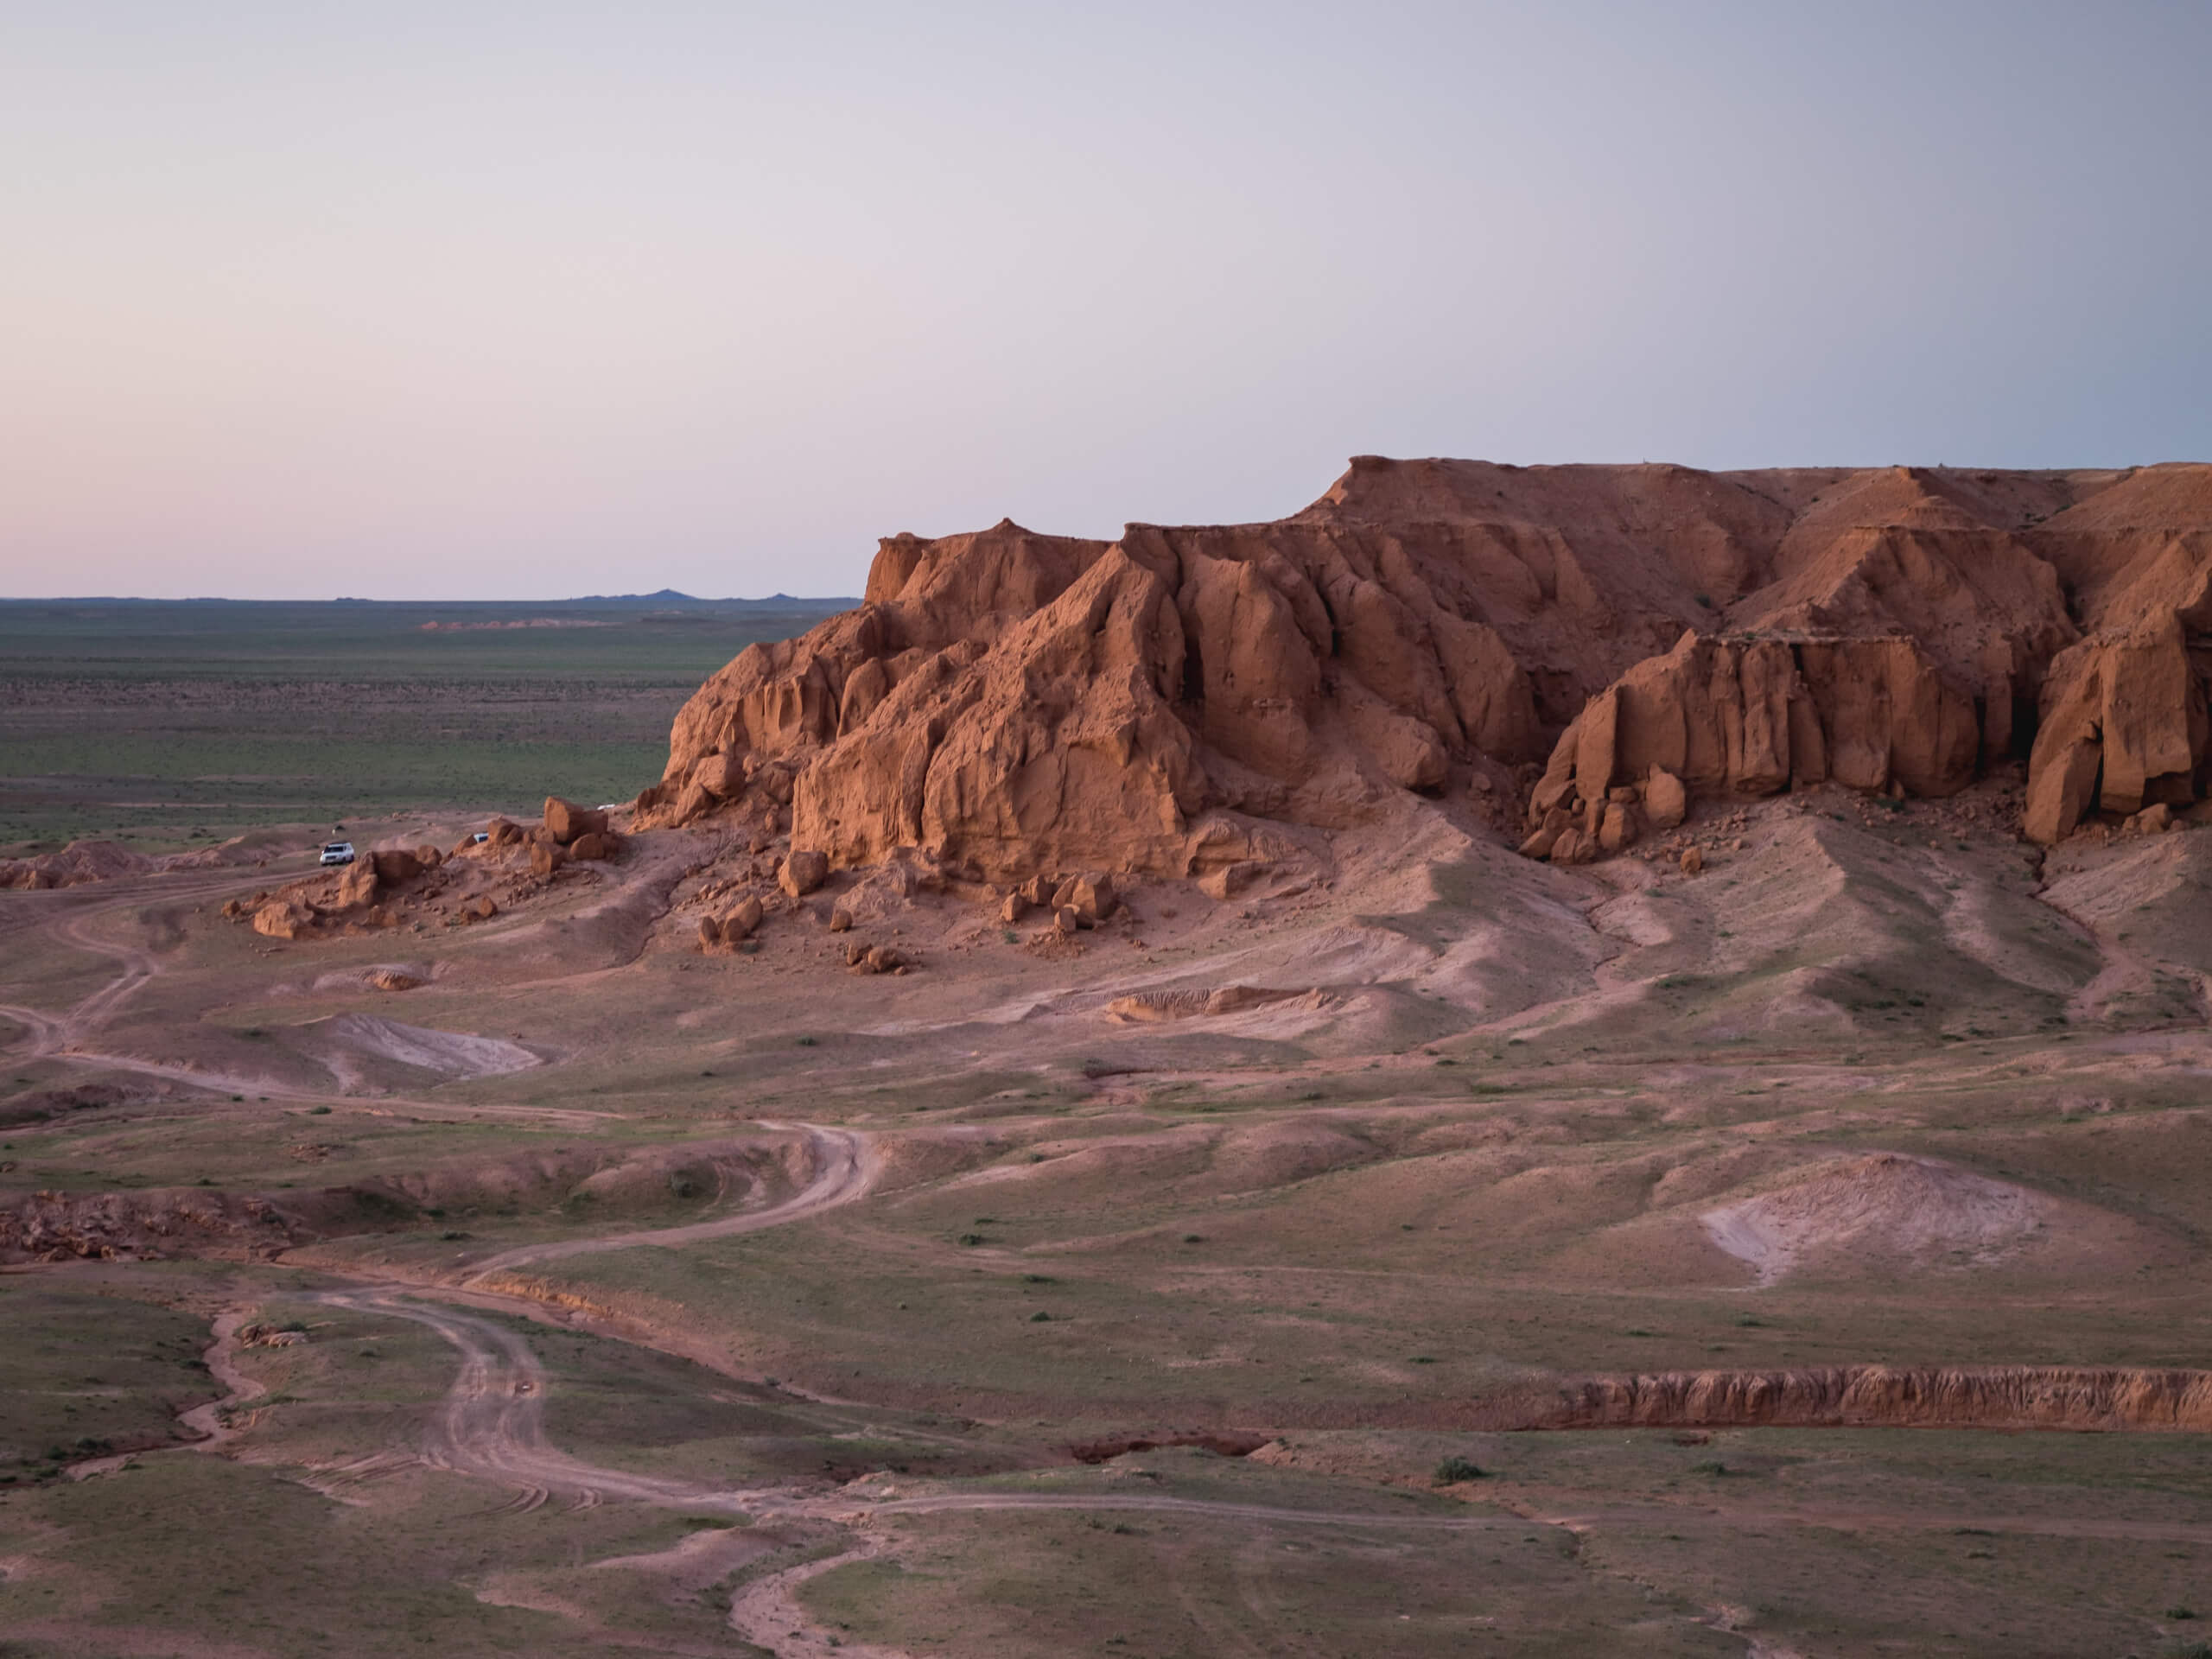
[1453,1470]
[806,1042]
[971,1239]
[1194,1239]
[318,1111]
[1041,1317]
[1711,1467]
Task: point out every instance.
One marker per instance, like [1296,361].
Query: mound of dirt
[43,1105]
[1029,701]
[1193,1003]
[1884,1209]
[79,862]
[346,1041]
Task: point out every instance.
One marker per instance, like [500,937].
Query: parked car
[337,852]
[479,837]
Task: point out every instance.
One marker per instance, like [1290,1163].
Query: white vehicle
[337,852]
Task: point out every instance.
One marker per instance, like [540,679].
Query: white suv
[337,852]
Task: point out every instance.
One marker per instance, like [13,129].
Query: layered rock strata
[1025,703]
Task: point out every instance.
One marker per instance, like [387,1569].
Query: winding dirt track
[844,1170]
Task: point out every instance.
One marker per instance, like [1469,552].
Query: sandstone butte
[1585,651]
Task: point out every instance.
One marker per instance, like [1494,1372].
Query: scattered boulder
[595,844]
[502,832]
[393,979]
[482,908]
[1617,829]
[1666,803]
[357,888]
[546,856]
[1015,906]
[1065,920]
[1693,860]
[721,775]
[803,873]
[283,919]
[1090,895]
[2153,820]
[565,820]
[1225,881]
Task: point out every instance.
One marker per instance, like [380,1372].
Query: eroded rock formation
[1025,703]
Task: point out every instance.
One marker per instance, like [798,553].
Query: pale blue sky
[490,301]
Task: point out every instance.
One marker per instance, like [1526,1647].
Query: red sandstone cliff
[1026,701]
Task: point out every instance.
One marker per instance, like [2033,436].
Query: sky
[506,301]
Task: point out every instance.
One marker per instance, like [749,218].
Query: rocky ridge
[1168,703]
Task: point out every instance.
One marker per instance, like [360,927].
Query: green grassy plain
[169,724]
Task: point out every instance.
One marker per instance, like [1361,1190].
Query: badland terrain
[1526,1060]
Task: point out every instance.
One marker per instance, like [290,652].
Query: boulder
[357,888]
[2153,820]
[595,844]
[565,820]
[1666,803]
[280,919]
[721,775]
[482,908]
[502,832]
[743,922]
[1693,860]
[1066,921]
[1617,831]
[429,857]
[1014,908]
[804,871]
[546,856]
[1225,881]
[1090,895]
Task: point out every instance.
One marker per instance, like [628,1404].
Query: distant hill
[668,596]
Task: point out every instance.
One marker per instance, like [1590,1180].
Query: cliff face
[1029,702]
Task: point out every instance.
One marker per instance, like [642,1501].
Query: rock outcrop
[1026,702]
[1870,1397]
